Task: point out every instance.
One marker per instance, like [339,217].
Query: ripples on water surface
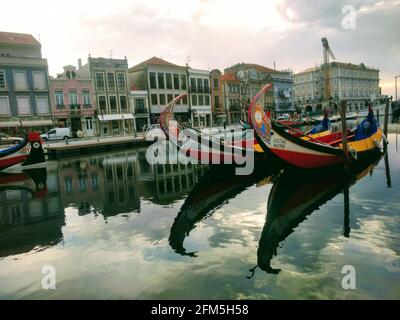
[117,227]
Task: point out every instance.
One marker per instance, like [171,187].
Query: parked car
[5,139]
[56,134]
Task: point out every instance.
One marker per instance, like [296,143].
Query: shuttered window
[20,80]
[39,80]
[4,106]
[42,105]
[24,105]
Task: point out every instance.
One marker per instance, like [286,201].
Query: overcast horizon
[214,33]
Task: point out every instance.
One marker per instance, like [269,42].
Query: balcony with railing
[75,109]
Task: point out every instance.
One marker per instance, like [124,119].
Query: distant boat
[28,152]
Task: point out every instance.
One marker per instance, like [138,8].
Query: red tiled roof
[18,38]
[154,61]
[258,67]
[229,77]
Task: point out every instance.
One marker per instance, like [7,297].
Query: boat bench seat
[340,140]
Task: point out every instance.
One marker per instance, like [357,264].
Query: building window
[68,184]
[113,103]
[193,84]
[111,81]
[183,82]
[39,80]
[4,106]
[89,123]
[205,85]
[168,78]
[100,85]
[73,98]
[59,95]
[121,81]
[154,99]
[216,101]
[20,80]
[184,100]
[200,85]
[23,105]
[201,100]
[170,97]
[102,103]
[3,83]
[176,81]
[207,100]
[216,84]
[42,105]
[139,106]
[160,77]
[194,100]
[123,103]
[153,83]
[162,99]
[86,98]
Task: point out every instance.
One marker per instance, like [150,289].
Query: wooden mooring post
[343,108]
[386,121]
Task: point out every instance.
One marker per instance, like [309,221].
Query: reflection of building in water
[121,189]
[27,221]
[102,184]
[82,184]
[113,183]
[165,183]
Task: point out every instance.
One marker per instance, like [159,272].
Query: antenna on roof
[274,65]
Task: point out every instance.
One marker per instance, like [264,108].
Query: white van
[56,134]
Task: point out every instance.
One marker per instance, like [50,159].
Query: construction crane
[327,53]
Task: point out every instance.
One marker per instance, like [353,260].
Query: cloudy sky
[214,33]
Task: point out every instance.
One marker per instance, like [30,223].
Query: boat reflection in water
[215,188]
[295,195]
[31,215]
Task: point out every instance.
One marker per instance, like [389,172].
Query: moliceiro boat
[209,149]
[28,152]
[311,152]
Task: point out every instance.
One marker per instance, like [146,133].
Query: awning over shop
[111,117]
[9,124]
[37,123]
[25,123]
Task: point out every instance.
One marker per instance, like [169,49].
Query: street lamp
[395,85]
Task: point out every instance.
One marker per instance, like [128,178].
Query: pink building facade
[73,102]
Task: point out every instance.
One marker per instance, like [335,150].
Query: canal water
[115,227]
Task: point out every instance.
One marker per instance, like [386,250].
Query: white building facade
[357,84]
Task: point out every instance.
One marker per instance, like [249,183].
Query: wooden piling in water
[343,107]
[386,121]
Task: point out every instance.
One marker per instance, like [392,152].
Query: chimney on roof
[79,63]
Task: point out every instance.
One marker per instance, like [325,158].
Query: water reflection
[31,213]
[295,195]
[214,189]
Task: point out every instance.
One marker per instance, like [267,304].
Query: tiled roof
[18,39]
[258,67]
[153,61]
[229,77]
